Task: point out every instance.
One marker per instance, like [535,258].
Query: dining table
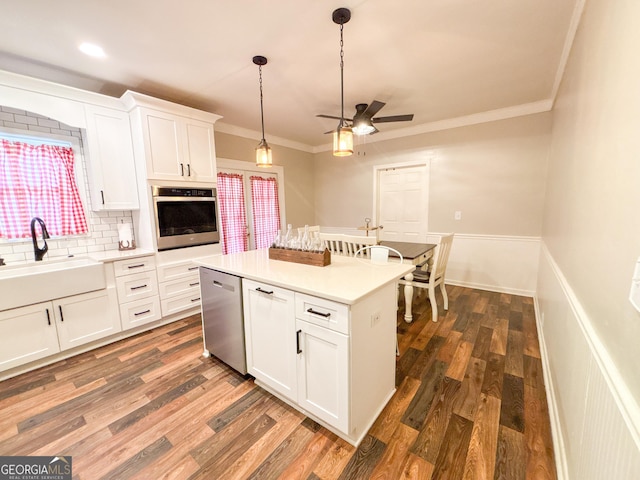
[419,254]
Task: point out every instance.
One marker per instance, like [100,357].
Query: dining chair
[352,243]
[379,254]
[333,242]
[436,276]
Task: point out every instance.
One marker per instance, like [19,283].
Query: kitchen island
[322,339]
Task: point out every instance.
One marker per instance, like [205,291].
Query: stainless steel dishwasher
[222,317]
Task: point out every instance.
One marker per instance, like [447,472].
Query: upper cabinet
[177,141]
[110,165]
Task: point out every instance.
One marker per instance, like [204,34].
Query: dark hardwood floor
[470,404]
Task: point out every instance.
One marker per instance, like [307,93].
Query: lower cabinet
[270,336]
[137,291]
[37,331]
[323,374]
[179,287]
[305,362]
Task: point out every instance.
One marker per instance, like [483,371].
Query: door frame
[424,162]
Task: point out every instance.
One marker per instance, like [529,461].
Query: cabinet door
[84,318]
[200,151]
[163,145]
[269,319]
[110,161]
[323,374]
[27,334]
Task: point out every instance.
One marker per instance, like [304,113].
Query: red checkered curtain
[38,181]
[266,210]
[233,217]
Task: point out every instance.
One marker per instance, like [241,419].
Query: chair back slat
[441,256]
[352,243]
[333,242]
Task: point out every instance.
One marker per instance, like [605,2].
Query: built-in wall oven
[185,217]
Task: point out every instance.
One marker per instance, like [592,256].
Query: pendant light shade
[263,150]
[343,136]
[343,142]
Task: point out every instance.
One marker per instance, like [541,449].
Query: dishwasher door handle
[224,286]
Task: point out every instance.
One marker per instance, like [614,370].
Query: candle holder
[127,245]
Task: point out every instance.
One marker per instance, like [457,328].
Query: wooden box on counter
[318,259]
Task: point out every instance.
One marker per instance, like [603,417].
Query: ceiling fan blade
[374,108]
[393,118]
[328,116]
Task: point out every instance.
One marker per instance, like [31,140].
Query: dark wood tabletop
[409,250]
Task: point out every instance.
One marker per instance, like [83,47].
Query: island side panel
[373,357]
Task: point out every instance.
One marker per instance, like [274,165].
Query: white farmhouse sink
[34,282]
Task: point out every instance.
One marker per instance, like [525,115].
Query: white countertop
[113,255]
[345,280]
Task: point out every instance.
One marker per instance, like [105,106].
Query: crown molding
[223,127]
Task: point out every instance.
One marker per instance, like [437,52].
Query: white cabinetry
[137,287]
[37,331]
[84,318]
[27,334]
[270,336]
[179,285]
[111,166]
[178,142]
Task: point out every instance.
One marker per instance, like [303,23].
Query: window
[38,180]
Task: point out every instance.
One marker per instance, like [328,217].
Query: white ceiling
[437,59]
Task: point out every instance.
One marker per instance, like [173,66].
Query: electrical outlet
[457,215]
[375,318]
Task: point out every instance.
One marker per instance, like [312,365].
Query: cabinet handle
[48,317]
[325,315]
[61,315]
[141,286]
[182,169]
[264,291]
[188,169]
[195,299]
[141,313]
[298,350]
[194,284]
[102,195]
[193,268]
[136,266]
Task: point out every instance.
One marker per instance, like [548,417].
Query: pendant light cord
[261,108]
[341,76]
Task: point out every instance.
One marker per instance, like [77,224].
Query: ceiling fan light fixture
[363,127]
[263,150]
[343,142]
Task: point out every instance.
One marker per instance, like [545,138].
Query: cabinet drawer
[325,313]
[139,312]
[134,265]
[172,271]
[134,287]
[180,286]
[180,302]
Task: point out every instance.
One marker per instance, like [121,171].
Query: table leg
[408,298]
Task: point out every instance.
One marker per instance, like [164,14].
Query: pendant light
[343,136]
[263,150]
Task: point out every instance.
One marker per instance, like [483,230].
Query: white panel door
[402,203]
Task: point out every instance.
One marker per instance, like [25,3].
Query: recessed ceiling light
[92,50]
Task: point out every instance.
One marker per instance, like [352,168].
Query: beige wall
[298,173]
[592,217]
[494,173]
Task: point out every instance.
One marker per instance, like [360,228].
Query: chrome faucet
[37,251]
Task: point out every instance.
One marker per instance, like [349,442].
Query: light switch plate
[634,294]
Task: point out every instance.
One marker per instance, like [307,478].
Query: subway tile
[19,126]
[47,122]
[95,248]
[13,110]
[14,258]
[78,250]
[5,116]
[25,119]
[37,128]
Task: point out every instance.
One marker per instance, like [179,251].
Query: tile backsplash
[103,230]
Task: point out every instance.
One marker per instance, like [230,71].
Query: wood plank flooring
[470,404]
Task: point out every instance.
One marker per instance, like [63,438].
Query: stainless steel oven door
[185,221]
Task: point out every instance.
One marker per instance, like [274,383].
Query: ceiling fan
[363,120]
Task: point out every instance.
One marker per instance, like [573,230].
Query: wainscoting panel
[497,263]
[594,420]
